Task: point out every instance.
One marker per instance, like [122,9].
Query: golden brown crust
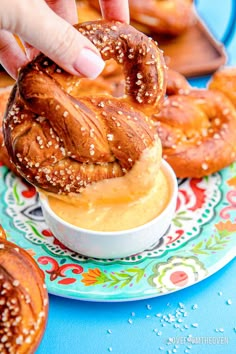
[87,12]
[224,80]
[198,132]
[4,157]
[168,17]
[61,141]
[23,300]
[176,83]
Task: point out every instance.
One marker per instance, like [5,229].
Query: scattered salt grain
[229,302]
[195,306]
[132,314]
[109,331]
[220,293]
[195,325]
[130,321]
[149,307]
[158,314]
[110,349]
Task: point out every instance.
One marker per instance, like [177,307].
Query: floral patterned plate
[200,241]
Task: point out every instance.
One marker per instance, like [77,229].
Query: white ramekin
[115,244]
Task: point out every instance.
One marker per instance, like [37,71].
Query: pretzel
[4,157]
[23,300]
[198,132]
[177,84]
[224,80]
[168,17]
[61,141]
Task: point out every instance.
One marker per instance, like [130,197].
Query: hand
[46,26]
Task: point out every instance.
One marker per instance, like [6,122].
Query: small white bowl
[114,244]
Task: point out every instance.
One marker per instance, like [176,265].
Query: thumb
[39,26]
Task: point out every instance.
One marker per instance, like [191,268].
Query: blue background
[163,324]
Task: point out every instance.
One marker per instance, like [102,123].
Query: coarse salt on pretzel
[23,300]
[60,141]
[198,132]
[4,157]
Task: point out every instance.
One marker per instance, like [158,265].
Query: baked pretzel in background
[167,17]
[86,12]
[224,80]
[23,300]
[61,141]
[197,127]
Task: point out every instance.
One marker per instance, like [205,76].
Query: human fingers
[38,25]
[11,55]
[115,10]
[65,9]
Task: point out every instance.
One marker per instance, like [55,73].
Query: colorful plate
[200,241]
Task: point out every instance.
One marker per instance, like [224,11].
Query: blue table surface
[198,319]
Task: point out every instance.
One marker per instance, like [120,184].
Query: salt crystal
[195,325]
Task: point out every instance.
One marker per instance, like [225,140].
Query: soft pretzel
[4,157]
[198,132]
[167,17]
[176,83]
[224,80]
[61,141]
[23,300]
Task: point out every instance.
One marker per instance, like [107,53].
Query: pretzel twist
[198,132]
[61,140]
[23,300]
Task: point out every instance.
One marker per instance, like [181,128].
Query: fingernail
[89,63]
[31,53]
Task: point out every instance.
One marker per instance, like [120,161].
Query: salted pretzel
[23,300]
[60,140]
[4,157]
[224,80]
[112,81]
[198,132]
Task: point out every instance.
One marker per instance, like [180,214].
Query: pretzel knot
[23,300]
[61,140]
[197,131]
